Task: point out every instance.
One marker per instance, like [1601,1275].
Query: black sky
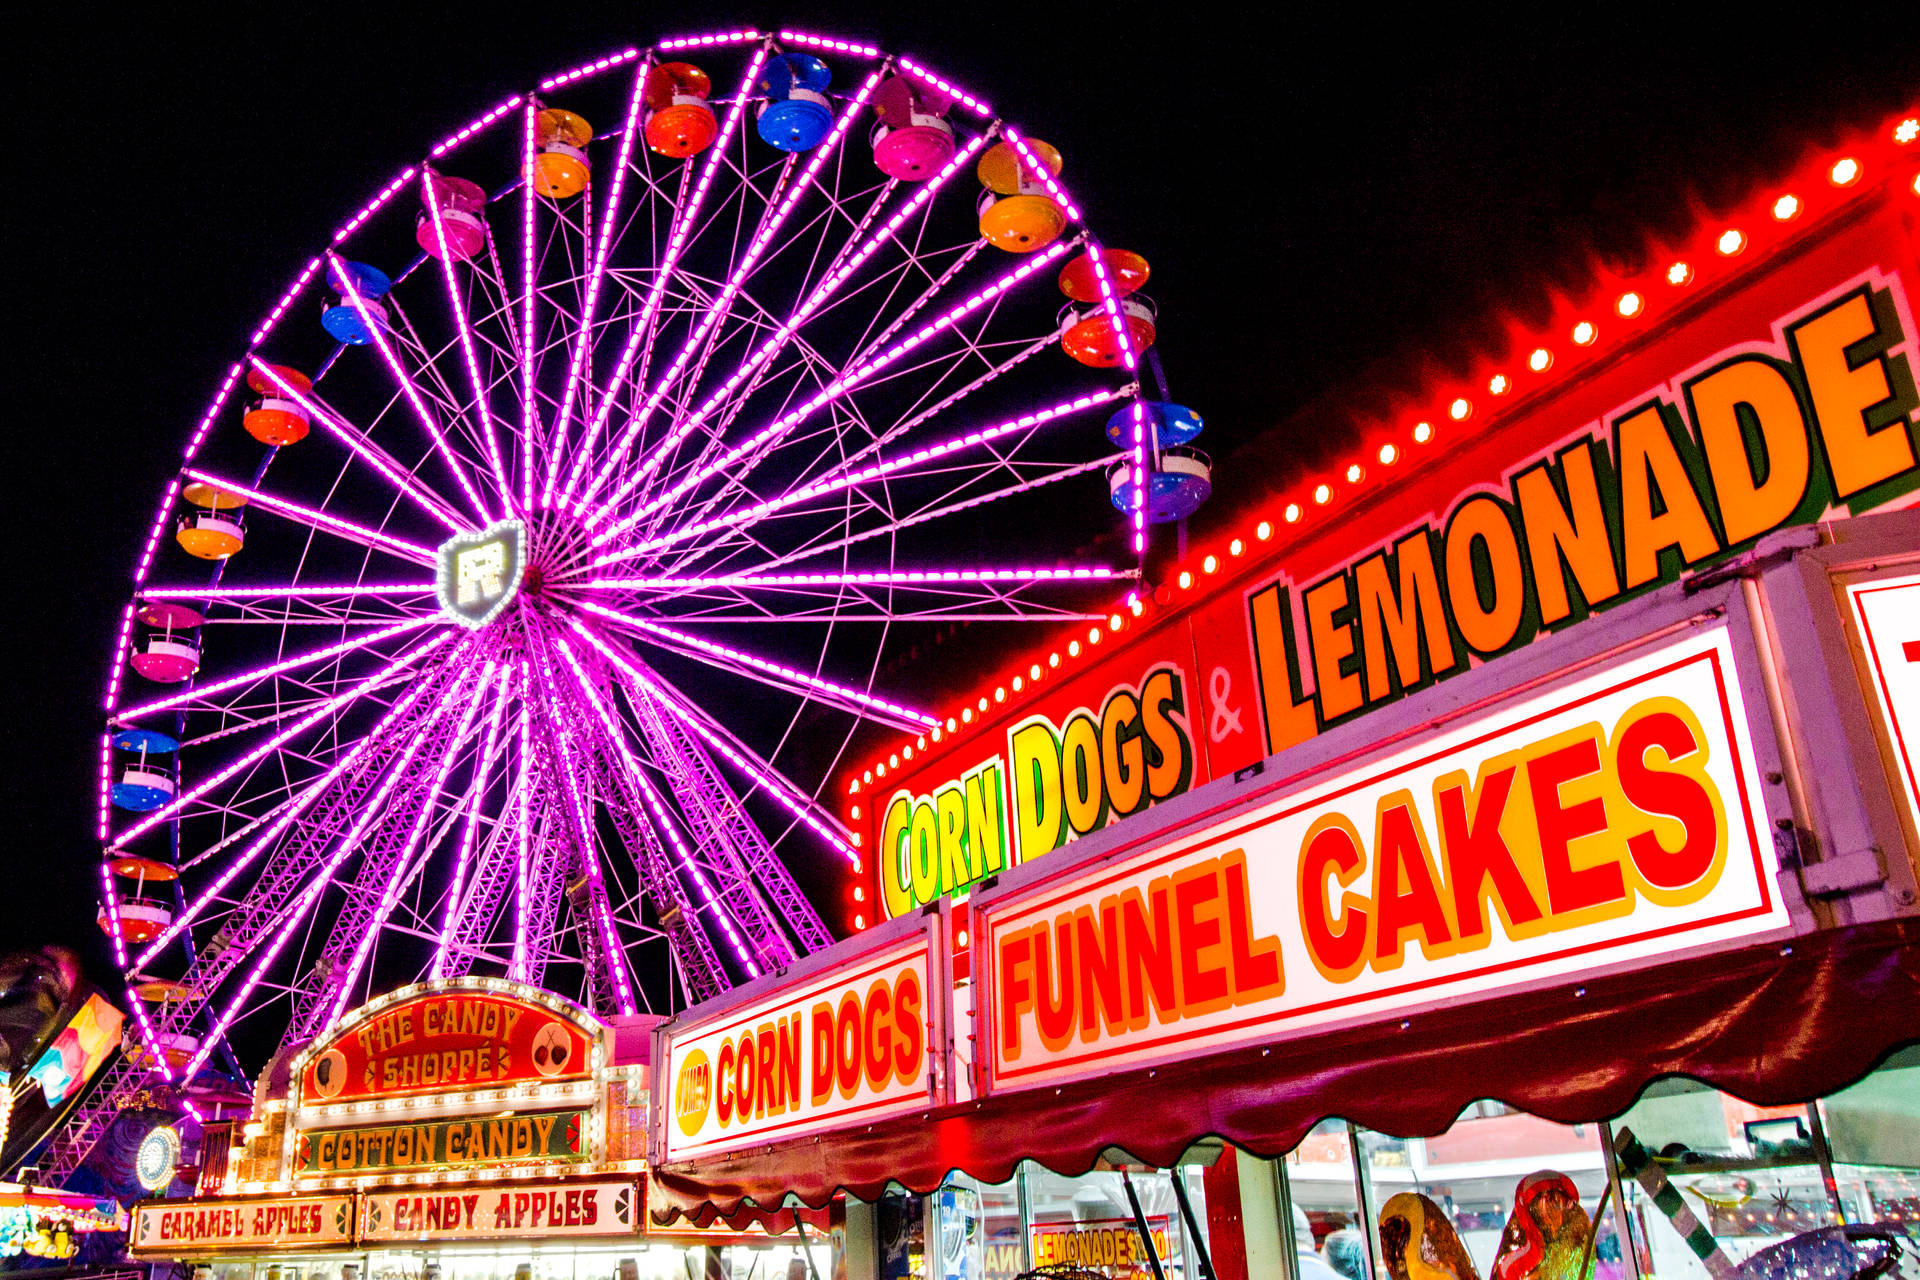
[1316,192]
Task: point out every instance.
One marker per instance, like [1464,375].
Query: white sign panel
[843,1046]
[1887,612]
[521,1210]
[1616,818]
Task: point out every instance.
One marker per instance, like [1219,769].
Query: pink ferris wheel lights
[384,344]
[1031,163]
[772,345]
[837,388]
[301,724]
[453,140]
[684,221]
[744,35]
[289,592]
[662,820]
[286,300]
[830,44]
[390,895]
[356,442]
[589,69]
[374,205]
[482,405]
[609,220]
[965,99]
[319,519]
[529,405]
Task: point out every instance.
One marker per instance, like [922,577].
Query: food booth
[1529,790]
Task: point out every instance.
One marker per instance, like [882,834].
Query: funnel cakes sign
[446,1038]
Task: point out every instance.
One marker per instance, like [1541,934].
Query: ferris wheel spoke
[378,680]
[284,901]
[579,372]
[686,216]
[380,882]
[757,668]
[318,520]
[482,771]
[484,424]
[829,284]
[604,956]
[475,900]
[356,442]
[408,388]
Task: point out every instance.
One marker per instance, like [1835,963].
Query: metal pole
[1283,1206]
[1620,1212]
[1363,1191]
[1193,1224]
[1025,1195]
[1140,1224]
[1823,1154]
[806,1250]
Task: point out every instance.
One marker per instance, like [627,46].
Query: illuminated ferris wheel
[531,567]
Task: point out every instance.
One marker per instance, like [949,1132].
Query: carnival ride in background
[509,618]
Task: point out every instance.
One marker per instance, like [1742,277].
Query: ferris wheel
[542,549]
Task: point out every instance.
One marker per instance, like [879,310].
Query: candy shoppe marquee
[1521,749]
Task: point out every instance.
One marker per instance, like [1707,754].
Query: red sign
[1609,820]
[445,1039]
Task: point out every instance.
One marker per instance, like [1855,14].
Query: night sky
[1321,200]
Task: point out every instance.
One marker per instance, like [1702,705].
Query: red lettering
[1404,895]
[822,1075]
[1053,1015]
[1571,888]
[1196,909]
[1336,952]
[907,1030]
[1255,961]
[1016,989]
[723,1083]
[1149,951]
[876,1038]
[846,1036]
[1672,794]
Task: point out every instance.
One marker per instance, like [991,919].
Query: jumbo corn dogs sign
[851,1045]
[1615,818]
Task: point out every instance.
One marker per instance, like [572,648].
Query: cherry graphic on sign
[550,1049]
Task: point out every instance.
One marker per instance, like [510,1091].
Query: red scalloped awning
[1773,1025]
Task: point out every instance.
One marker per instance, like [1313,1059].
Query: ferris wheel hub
[480,573]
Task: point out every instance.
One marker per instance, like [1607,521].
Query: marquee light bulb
[1355,473]
[1679,273]
[1073,648]
[1459,409]
[1263,530]
[1322,493]
[1499,384]
[1731,241]
[1541,360]
[1211,564]
[1389,454]
[1845,172]
[1629,305]
[1186,579]
[1584,333]
[1786,208]
[1236,547]
[1293,513]
[1422,432]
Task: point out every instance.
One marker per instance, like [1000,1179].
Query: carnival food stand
[1531,792]
[470,1127]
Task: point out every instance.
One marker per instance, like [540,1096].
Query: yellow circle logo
[693,1093]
